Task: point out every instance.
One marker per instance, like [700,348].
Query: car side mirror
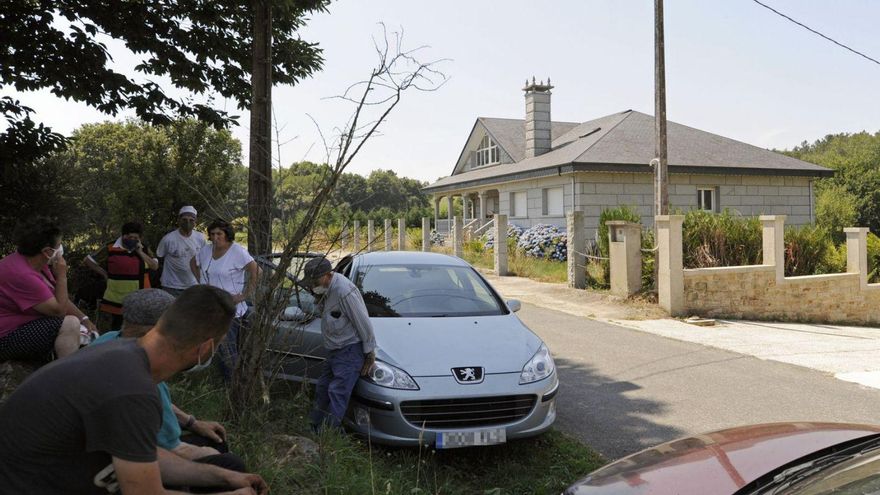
[514,305]
[292,313]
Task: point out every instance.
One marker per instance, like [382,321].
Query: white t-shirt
[178,251]
[227,272]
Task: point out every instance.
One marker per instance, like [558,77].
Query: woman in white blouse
[228,266]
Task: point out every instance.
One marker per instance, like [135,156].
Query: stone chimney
[537,117]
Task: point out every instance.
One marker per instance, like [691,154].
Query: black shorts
[35,340]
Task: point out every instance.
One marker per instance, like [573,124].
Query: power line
[808,28]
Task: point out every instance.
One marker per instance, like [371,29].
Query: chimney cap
[537,87]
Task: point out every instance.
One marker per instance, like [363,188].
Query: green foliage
[855,159]
[873,259]
[720,239]
[807,250]
[201,47]
[836,210]
[349,465]
[117,172]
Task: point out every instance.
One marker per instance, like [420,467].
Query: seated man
[87,424]
[206,443]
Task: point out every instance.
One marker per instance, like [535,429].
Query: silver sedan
[455,366]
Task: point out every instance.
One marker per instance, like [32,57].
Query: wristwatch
[191,420]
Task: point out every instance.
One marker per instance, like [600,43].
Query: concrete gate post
[857,253]
[356,237]
[371,235]
[457,240]
[426,234]
[401,234]
[500,250]
[773,229]
[625,253]
[670,267]
[577,242]
[388,232]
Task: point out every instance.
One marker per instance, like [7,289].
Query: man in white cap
[176,250]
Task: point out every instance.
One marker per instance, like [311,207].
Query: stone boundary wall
[762,292]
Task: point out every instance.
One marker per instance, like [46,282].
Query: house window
[518,204]
[707,199]
[553,202]
[487,152]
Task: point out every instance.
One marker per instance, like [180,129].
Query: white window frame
[713,198]
[548,211]
[487,153]
[514,204]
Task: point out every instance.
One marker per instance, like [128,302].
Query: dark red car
[779,458]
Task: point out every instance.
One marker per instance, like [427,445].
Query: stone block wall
[752,292]
[762,292]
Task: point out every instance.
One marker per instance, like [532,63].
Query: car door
[297,348]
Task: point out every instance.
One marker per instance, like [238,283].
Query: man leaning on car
[348,338]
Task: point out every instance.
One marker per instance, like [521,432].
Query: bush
[720,239]
[806,249]
[836,209]
[544,240]
[437,239]
[513,232]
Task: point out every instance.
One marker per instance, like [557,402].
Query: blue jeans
[341,371]
[227,351]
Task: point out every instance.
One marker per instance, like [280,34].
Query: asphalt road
[623,390]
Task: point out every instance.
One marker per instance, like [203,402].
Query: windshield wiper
[795,474]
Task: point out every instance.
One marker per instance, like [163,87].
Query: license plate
[456,439]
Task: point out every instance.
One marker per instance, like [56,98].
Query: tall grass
[720,239]
[348,465]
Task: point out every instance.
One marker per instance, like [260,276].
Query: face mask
[200,366]
[57,254]
[130,244]
[319,289]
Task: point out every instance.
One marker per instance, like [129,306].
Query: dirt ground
[600,305]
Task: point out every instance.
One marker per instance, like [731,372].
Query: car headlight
[539,367]
[385,375]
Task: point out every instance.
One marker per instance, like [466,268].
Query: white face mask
[200,366]
[319,289]
[57,254]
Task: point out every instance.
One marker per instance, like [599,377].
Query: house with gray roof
[535,170]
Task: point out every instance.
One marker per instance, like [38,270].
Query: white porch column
[483,197]
[436,210]
[449,209]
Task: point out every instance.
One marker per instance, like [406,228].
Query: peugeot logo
[468,374]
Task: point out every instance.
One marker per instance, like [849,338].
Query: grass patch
[349,465]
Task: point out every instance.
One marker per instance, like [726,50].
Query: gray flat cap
[144,307]
[315,268]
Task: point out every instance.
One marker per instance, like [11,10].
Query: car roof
[409,258]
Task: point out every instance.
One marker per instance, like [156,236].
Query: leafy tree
[856,161]
[201,47]
[836,209]
[132,170]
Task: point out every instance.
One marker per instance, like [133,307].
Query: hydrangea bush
[540,241]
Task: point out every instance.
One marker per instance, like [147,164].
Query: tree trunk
[260,172]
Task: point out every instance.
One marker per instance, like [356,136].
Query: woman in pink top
[36,315]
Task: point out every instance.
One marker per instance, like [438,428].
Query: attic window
[487,152]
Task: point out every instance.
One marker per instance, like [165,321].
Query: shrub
[437,239]
[806,249]
[835,209]
[873,258]
[544,240]
[720,239]
[513,232]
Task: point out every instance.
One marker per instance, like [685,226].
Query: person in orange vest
[125,265]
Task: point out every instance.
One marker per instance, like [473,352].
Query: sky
[732,68]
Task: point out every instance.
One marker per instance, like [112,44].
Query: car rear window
[425,291]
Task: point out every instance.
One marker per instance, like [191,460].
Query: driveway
[623,389]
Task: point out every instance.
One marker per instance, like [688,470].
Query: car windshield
[425,291]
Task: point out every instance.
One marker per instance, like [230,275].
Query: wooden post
[660,162]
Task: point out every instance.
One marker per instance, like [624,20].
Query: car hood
[720,462]
[433,346]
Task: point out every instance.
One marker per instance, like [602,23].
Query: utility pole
[660,161]
[260,169]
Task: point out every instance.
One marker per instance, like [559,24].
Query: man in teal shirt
[207,442]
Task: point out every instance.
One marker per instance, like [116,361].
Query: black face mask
[130,244]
